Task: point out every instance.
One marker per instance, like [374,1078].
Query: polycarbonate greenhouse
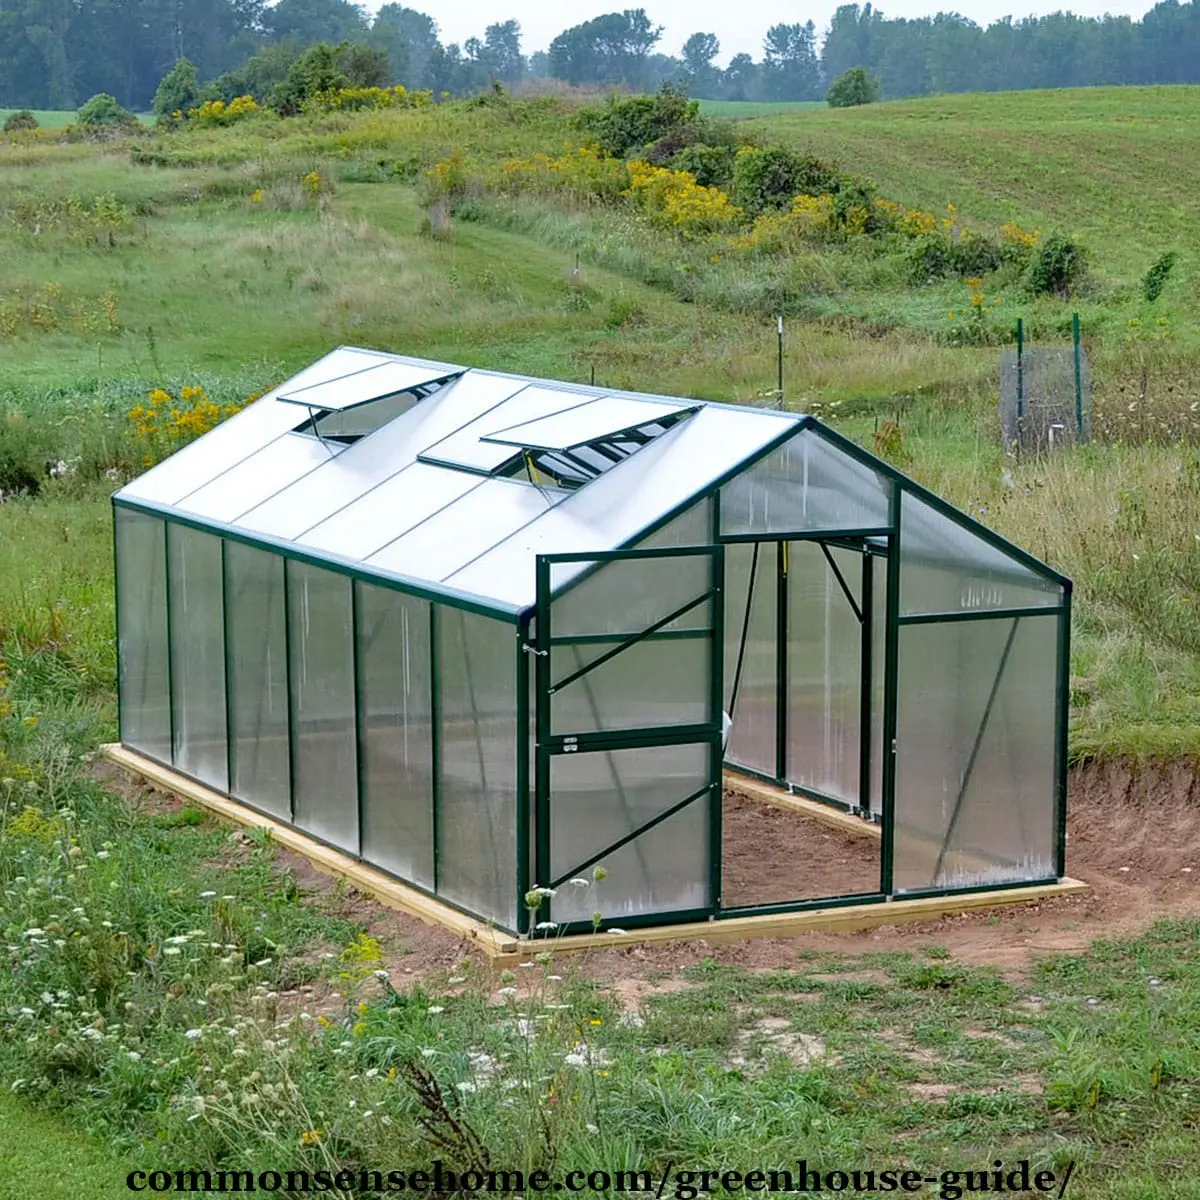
[480,631]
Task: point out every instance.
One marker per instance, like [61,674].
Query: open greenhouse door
[628,736]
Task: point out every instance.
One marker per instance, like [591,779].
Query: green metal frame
[550,743]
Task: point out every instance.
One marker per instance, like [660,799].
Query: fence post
[1020,383]
[1078,379]
[779,372]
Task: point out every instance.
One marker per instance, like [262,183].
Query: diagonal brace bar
[842,581]
[629,837]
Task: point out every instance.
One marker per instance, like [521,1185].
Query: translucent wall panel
[198,655]
[397,741]
[629,595]
[142,634]
[945,567]
[321,629]
[824,671]
[751,575]
[598,798]
[258,690]
[654,682]
[975,738]
[477,778]
[806,484]
[693,527]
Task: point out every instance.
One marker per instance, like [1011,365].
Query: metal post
[866,685]
[1078,379]
[781,661]
[1020,380]
[779,364]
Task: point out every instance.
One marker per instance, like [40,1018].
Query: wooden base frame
[503,947]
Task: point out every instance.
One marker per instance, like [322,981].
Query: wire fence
[1045,398]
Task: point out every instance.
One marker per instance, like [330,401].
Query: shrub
[674,200]
[856,86]
[178,90]
[942,252]
[768,177]
[103,111]
[217,112]
[712,166]
[1058,267]
[315,71]
[1155,279]
[634,122]
[17,121]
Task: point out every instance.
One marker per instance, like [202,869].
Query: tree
[740,81]
[363,65]
[608,50]
[697,56]
[409,39]
[178,90]
[790,62]
[316,70]
[312,21]
[103,111]
[854,87]
[500,52]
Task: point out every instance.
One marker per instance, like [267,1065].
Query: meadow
[225,258]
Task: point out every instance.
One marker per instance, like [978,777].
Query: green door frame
[548,743]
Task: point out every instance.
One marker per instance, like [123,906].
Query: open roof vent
[344,410]
[559,442]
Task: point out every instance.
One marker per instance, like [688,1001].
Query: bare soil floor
[1133,835]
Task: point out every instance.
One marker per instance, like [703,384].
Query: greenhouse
[491,634]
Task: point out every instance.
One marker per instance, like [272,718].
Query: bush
[856,86]
[1058,267]
[940,253]
[178,90]
[637,121]
[17,121]
[769,177]
[1155,279]
[711,165]
[315,71]
[103,111]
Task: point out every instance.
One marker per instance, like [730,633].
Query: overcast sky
[740,26]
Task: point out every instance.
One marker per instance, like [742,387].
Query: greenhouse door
[628,736]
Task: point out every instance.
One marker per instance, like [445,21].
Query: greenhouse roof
[450,476]
[454,479]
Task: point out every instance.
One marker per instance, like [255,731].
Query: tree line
[56,53]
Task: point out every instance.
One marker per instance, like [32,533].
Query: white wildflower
[434,1009]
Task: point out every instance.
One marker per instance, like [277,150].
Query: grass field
[46,118]
[227,259]
[38,1157]
[739,110]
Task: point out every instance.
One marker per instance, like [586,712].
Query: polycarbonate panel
[587,423]
[387,452]
[375,383]
[248,484]
[258,687]
[198,656]
[404,501]
[397,733]
[975,753]
[466,449]
[824,671]
[878,666]
[240,436]
[754,736]
[626,596]
[945,567]
[693,527]
[806,484]
[142,649]
[321,629]
[598,798]
[648,685]
[613,510]
[466,528]
[477,778]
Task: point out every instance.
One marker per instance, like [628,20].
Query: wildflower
[434,1009]
[310,1137]
[466,1086]
[102,854]
[172,950]
[543,925]
[372,1072]
[507,992]
[192,1034]
[207,895]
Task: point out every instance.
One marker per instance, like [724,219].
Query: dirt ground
[1133,835]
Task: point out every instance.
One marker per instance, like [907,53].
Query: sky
[740,26]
